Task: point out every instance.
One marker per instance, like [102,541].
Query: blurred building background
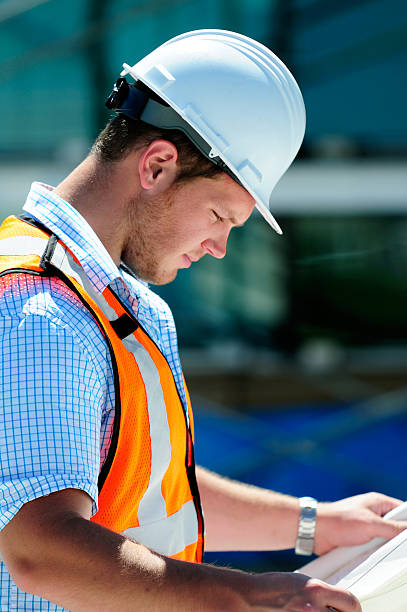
[295,347]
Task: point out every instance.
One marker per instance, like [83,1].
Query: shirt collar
[75,232]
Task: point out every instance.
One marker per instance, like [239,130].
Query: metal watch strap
[306,526]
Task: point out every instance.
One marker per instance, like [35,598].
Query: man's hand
[299,593]
[355,520]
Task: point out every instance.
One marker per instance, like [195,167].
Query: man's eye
[217,217]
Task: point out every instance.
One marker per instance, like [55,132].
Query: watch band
[306,527]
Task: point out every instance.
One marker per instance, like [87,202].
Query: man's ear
[158,166]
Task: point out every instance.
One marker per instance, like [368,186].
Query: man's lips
[189,259]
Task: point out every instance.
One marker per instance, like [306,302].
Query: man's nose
[216,246]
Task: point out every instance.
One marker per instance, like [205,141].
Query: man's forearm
[243,517]
[89,569]
[84,567]
[52,550]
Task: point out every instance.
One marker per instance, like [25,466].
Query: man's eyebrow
[225,214]
[233,219]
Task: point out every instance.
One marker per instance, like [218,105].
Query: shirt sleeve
[51,397]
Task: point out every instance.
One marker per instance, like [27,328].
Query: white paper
[375,572]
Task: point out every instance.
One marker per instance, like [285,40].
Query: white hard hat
[239,99]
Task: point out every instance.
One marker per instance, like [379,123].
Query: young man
[101,502]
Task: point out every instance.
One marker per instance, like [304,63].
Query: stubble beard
[142,249]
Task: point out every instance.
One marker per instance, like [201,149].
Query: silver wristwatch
[306,527]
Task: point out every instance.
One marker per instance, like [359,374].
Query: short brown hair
[122,134]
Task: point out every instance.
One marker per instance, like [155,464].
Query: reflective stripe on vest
[148,489]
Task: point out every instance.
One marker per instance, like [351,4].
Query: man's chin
[163,279]
[156,277]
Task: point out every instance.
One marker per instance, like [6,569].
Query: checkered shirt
[56,379]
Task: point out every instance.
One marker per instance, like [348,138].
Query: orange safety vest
[147,485]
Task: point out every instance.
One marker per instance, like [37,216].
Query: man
[101,502]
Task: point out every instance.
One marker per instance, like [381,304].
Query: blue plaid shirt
[56,380]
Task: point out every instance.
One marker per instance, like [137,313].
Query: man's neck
[98,194]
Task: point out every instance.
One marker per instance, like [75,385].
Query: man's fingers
[329,597]
[382,504]
[392,528]
[343,602]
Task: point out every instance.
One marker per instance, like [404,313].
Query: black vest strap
[124,325]
[34,222]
